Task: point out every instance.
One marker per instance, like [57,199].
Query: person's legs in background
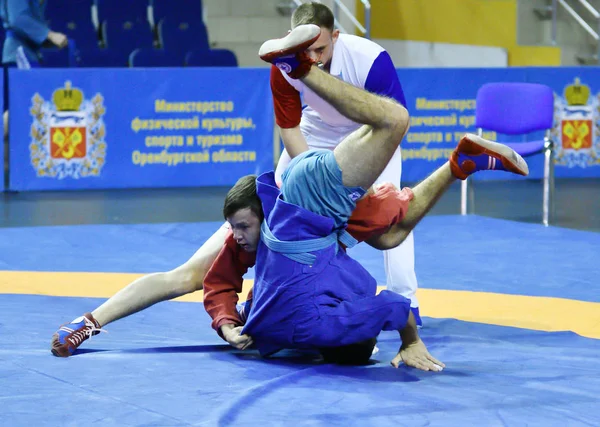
[399,262]
[5,68]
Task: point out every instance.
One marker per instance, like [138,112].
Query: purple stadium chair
[518,109]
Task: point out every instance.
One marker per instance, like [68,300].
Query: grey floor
[577,205]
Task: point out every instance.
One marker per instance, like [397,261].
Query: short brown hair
[241,196]
[313,13]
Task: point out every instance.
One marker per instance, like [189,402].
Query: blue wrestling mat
[166,367]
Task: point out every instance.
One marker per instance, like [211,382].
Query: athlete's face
[322,49]
[245,226]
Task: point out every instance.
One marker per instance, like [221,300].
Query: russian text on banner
[441,103]
[134,128]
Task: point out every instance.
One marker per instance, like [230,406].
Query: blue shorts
[313,180]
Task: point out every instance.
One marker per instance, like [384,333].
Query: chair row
[140,57]
[171,34]
[179,26]
[61,13]
[130,26]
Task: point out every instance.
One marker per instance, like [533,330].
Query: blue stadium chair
[61,12]
[102,58]
[154,58]
[56,58]
[74,19]
[517,109]
[211,58]
[84,34]
[127,36]
[181,36]
[177,10]
[122,10]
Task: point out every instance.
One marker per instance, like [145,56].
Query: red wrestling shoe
[474,153]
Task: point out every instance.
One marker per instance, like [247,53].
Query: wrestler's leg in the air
[329,184]
[359,160]
[471,155]
[364,154]
[141,294]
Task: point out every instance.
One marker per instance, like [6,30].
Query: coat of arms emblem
[576,132]
[67,134]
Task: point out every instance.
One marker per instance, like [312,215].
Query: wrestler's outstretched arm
[139,295]
[222,285]
[413,351]
[157,287]
[355,321]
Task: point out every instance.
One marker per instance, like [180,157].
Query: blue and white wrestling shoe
[70,335]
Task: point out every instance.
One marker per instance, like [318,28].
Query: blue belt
[299,250]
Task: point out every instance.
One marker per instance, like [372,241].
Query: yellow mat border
[529,312]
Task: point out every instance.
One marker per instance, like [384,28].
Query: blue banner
[128,128]
[442,107]
[131,128]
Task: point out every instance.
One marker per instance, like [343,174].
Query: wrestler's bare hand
[417,356]
[233,336]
